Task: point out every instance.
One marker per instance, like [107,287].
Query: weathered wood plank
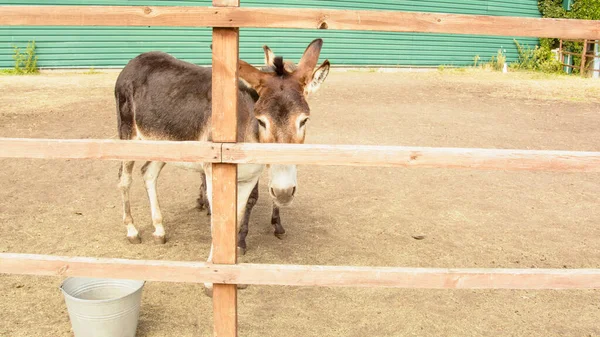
[306,154]
[400,156]
[104,149]
[298,275]
[225,310]
[583,58]
[392,21]
[571,53]
[224,235]
[224,84]
[225,49]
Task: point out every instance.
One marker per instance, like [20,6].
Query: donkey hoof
[134,239]
[159,239]
[241,251]
[242,286]
[208,291]
[280,234]
[201,204]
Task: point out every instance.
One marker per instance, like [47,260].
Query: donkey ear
[309,61]
[254,77]
[269,56]
[317,78]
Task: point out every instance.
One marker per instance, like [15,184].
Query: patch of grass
[475,60]
[360,70]
[25,62]
[536,75]
[454,71]
[497,61]
[92,71]
[7,72]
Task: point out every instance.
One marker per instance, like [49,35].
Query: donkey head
[282,111]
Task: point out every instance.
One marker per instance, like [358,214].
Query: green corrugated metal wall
[115,46]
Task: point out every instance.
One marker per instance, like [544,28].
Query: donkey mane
[279,67]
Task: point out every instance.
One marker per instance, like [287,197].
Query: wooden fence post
[583,58]
[561,56]
[225,50]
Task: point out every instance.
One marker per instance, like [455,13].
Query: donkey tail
[125,114]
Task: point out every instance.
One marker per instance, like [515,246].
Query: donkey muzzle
[282,184]
[283,196]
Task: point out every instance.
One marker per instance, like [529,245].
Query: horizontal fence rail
[392,21]
[300,275]
[103,149]
[302,154]
[404,156]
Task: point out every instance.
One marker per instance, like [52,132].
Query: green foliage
[540,58]
[25,63]
[581,9]
[577,48]
[475,60]
[585,10]
[551,9]
[497,61]
[92,71]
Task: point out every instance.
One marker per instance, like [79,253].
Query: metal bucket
[103,307]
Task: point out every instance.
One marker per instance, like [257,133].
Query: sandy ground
[341,216]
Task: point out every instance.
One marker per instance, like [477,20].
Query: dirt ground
[341,216]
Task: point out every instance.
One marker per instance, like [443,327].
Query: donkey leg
[244,189]
[208,287]
[276,222]
[125,179]
[245,220]
[244,208]
[202,201]
[150,171]
[247,193]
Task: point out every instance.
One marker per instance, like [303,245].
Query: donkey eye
[261,123]
[303,122]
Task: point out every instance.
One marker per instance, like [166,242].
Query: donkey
[202,200]
[159,97]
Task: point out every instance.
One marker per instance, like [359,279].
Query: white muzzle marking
[282,183]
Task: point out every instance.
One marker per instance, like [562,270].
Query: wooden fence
[226,17]
[584,64]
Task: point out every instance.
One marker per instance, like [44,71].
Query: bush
[585,10]
[497,61]
[552,9]
[475,60]
[540,58]
[581,9]
[25,63]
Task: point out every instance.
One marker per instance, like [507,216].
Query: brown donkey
[161,98]
[202,201]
